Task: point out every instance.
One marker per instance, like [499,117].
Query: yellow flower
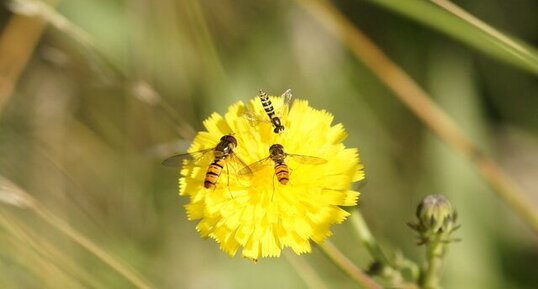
[257,213]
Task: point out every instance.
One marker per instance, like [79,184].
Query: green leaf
[446,17]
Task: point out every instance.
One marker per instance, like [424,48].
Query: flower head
[255,211]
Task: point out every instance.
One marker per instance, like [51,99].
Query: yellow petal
[256,213]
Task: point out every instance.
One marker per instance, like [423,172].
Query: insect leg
[228,179]
[273,194]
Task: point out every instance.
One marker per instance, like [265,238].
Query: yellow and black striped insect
[278,156]
[275,118]
[223,155]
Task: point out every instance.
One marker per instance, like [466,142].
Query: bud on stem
[436,222]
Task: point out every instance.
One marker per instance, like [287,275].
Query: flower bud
[436,216]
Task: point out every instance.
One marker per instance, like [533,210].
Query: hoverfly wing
[256,166]
[235,161]
[253,118]
[286,101]
[307,160]
[250,115]
[177,160]
[286,97]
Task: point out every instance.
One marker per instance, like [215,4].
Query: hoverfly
[274,117]
[277,156]
[223,154]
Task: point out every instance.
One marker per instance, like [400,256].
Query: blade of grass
[27,240]
[35,261]
[420,103]
[78,238]
[206,41]
[45,274]
[448,18]
[37,13]
[56,222]
[17,43]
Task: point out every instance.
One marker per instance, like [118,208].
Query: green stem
[366,237]
[390,270]
[432,272]
[348,267]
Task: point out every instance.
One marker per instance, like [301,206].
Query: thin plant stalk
[338,258]
[390,270]
[305,271]
[22,199]
[25,31]
[47,274]
[421,104]
[26,240]
[78,238]
[366,237]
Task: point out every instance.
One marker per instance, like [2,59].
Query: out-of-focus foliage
[88,124]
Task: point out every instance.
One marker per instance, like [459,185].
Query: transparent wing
[235,162]
[286,101]
[307,160]
[286,97]
[177,160]
[255,166]
[254,118]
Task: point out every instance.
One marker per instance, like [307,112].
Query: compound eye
[276,147]
[231,139]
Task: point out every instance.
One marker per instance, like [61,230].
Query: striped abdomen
[213,173]
[267,105]
[282,173]
[270,110]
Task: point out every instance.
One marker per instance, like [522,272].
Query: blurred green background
[123,84]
